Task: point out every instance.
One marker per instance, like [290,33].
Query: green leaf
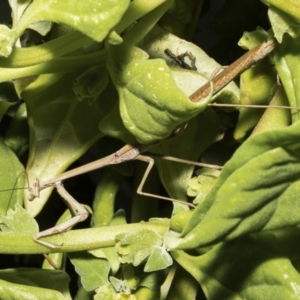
[256,190]
[18,8]
[89,85]
[18,220]
[11,176]
[259,266]
[275,118]
[136,246]
[159,259]
[159,39]
[283,23]
[30,283]
[286,59]
[200,186]
[149,110]
[183,286]
[61,129]
[95,19]
[93,271]
[291,7]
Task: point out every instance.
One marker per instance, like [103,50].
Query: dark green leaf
[256,191]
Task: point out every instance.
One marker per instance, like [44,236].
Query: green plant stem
[141,29]
[136,11]
[74,240]
[62,64]
[22,57]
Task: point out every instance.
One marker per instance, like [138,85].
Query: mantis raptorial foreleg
[78,212]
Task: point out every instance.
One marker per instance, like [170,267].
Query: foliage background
[218,32]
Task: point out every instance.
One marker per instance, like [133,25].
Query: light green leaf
[135,247]
[275,118]
[149,110]
[291,7]
[256,190]
[29,283]
[18,8]
[255,267]
[61,129]
[159,259]
[286,59]
[95,19]
[18,220]
[188,81]
[283,23]
[12,175]
[93,271]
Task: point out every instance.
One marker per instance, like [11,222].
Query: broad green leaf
[283,23]
[136,246]
[159,259]
[259,266]
[290,7]
[149,109]
[30,283]
[61,129]
[286,58]
[95,19]
[256,190]
[93,271]
[159,39]
[12,175]
[18,220]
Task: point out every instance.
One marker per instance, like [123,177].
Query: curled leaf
[151,104]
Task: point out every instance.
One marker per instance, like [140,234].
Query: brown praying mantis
[133,152]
